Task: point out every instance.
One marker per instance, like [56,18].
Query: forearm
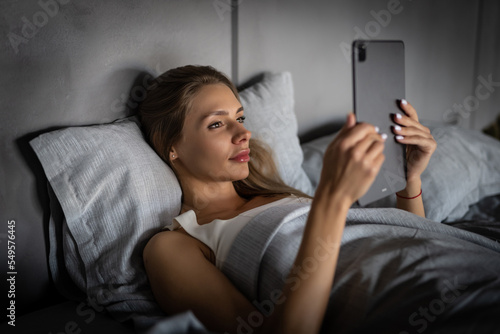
[308,285]
[350,165]
[409,203]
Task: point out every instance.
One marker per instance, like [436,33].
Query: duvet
[397,272]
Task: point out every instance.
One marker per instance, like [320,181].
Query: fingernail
[384,136]
[398,137]
[403,101]
[397,128]
[398,116]
[377,129]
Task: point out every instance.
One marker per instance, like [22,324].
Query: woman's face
[214,143]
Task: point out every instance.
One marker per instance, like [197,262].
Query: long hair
[162,114]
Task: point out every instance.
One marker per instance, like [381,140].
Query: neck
[210,198]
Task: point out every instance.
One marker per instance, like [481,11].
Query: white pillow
[115,193]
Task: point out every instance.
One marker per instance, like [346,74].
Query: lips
[242,156]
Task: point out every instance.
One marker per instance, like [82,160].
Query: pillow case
[464,169]
[112,193]
[271,118]
[115,193]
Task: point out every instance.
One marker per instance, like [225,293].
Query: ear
[173,154]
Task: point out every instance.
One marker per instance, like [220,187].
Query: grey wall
[487,66]
[78,67]
[76,62]
[445,52]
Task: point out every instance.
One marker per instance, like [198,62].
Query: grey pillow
[115,193]
[464,169]
[269,106]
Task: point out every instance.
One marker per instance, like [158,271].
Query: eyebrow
[220,112]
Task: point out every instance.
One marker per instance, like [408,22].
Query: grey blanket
[397,272]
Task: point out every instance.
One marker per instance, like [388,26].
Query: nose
[241,135]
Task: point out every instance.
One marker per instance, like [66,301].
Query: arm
[420,145]
[350,165]
[406,200]
[183,277]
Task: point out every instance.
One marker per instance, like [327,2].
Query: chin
[231,174]
[241,175]
[242,178]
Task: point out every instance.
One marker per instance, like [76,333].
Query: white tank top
[219,234]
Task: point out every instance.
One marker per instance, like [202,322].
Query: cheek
[212,148]
[204,151]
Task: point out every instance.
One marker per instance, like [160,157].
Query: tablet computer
[378,69]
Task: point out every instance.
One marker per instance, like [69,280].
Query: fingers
[353,159]
[358,141]
[409,131]
[412,130]
[370,147]
[351,121]
[407,121]
[355,133]
[408,109]
[426,144]
[367,153]
[362,140]
[409,114]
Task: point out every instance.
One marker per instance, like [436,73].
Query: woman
[194,120]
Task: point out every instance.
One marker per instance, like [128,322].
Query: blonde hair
[162,115]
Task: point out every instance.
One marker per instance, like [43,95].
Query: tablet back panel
[379,83]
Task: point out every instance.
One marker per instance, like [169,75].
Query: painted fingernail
[384,136]
[403,101]
[399,137]
[397,128]
[398,116]
[377,129]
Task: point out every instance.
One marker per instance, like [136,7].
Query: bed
[397,273]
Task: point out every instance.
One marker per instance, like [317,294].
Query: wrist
[332,199]
[413,181]
[412,189]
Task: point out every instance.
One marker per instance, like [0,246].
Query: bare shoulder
[183,277]
[173,260]
[166,243]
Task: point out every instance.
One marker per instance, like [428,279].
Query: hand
[352,161]
[418,139]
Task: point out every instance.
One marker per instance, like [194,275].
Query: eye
[215,125]
[241,119]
